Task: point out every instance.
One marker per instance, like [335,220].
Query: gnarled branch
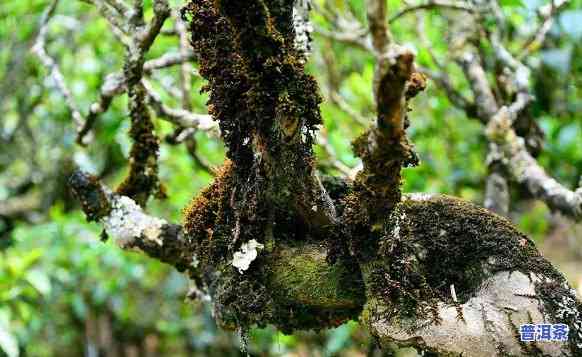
[525,169]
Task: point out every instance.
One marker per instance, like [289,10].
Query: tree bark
[432,272]
[450,277]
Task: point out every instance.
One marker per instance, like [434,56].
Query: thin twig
[179,117]
[115,84]
[547,15]
[432,4]
[54,71]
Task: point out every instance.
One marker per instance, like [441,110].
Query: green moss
[302,274]
[291,288]
[265,104]
[267,109]
[240,301]
[291,284]
[408,252]
[378,184]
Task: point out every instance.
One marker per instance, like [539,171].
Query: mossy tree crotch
[432,272]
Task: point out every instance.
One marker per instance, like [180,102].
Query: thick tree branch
[436,245]
[384,148]
[409,265]
[124,220]
[514,284]
[267,123]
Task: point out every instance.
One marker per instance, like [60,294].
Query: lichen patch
[127,221]
[244,257]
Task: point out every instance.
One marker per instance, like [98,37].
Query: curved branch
[124,220]
[547,15]
[485,101]
[357,38]
[116,84]
[408,265]
[54,71]
[384,148]
[180,117]
[455,279]
[525,169]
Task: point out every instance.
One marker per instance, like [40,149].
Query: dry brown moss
[206,214]
[142,180]
[90,194]
[433,243]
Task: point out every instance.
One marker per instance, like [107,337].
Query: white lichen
[195,262]
[567,311]
[418,196]
[127,222]
[247,253]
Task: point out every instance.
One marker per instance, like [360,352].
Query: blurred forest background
[65,293]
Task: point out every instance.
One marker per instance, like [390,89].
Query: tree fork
[437,244]
[411,266]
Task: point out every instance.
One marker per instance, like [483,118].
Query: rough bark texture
[432,272]
[429,246]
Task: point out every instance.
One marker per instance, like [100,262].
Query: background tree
[314,234]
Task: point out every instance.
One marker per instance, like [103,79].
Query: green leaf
[338,338]
[8,342]
[39,281]
[511,3]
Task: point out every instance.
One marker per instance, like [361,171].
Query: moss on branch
[142,180]
[393,258]
[433,243]
[402,274]
[91,195]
